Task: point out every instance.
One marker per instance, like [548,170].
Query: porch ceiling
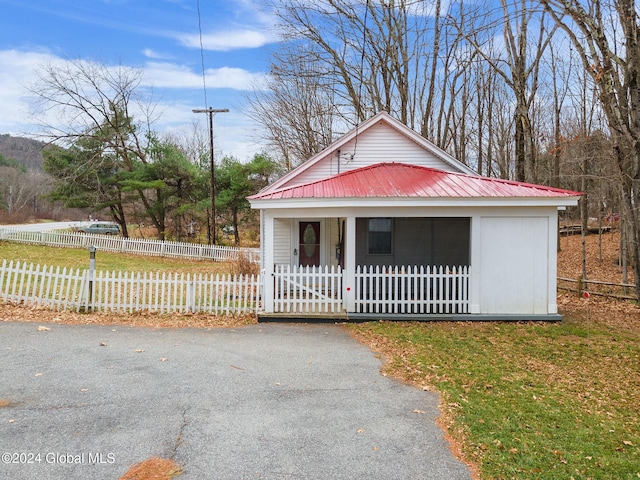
[399,180]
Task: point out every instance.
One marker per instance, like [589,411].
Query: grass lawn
[528,400]
[79,258]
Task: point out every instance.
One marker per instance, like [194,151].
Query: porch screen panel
[432,241]
[419,241]
[451,241]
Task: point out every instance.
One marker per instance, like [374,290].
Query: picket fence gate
[140,246]
[307,289]
[412,289]
[107,291]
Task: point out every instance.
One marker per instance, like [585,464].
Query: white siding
[514,265]
[282,241]
[381,143]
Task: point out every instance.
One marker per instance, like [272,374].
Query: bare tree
[296,110]
[79,101]
[519,67]
[21,189]
[358,58]
[606,35]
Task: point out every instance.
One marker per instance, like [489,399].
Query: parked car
[105,228]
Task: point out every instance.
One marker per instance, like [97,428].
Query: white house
[383,224]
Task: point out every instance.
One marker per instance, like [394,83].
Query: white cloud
[170,75]
[18,70]
[150,53]
[227,40]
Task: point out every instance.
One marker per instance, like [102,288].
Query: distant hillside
[25,151]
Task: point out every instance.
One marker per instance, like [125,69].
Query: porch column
[475,264]
[349,273]
[268,262]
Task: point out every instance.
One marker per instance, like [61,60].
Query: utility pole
[212,186]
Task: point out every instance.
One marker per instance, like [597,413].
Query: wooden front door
[309,247]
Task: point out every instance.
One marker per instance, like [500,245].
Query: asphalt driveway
[267,401]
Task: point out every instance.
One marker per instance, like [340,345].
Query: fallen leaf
[102,344]
[360,430]
[84,389]
[139,350]
[164,359]
[42,328]
[39,374]
[628,443]
[418,411]
[11,420]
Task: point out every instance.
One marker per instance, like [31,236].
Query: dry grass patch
[21,313]
[244,266]
[153,469]
[602,255]
[4,402]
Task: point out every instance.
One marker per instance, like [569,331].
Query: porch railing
[412,289]
[299,289]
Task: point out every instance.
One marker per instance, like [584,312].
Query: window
[379,236]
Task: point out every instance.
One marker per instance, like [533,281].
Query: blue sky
[160,38]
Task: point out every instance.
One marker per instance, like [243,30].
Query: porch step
[405,317]
[452,317]
[337,317]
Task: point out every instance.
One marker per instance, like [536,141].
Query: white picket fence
[110,243]
[300,289]
[304,290]
[104,291]
[417,289]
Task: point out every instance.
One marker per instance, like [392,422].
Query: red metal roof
[386,180]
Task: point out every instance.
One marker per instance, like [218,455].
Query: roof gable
[379,139]
[398,180]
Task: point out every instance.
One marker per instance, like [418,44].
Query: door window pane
[310,242]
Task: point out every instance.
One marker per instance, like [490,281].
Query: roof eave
[347,202]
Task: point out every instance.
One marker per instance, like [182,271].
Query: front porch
[461,265]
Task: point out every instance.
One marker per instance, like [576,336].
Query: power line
[204,77]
